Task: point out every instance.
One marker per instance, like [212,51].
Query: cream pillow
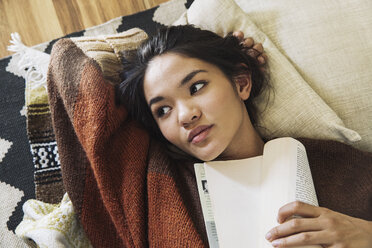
[295,109]
[329,43]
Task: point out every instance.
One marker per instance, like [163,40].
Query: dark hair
[225,53]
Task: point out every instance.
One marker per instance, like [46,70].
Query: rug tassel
[28,56]
[17,45]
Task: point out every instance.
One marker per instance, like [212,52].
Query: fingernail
[268,236]
[276,243]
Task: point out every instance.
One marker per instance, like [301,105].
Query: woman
[194,91]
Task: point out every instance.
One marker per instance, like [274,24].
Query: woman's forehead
[168,70]
[171,63]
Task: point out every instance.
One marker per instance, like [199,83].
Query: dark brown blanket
[128,193]
[342,177]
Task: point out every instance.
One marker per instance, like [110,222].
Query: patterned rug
[25,156]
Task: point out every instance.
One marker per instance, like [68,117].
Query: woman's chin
[208,151]
[207,156]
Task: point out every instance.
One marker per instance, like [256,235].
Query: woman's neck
[248,143]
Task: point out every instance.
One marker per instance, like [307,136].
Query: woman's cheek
[168,129]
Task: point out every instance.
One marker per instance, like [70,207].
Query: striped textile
[48,178]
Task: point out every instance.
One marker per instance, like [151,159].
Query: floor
[38,21]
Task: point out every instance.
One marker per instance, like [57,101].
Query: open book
[241,198]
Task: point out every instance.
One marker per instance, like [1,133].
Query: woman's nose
[188,114]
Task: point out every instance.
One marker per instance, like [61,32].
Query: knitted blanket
[107,163]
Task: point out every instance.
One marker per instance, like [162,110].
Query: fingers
[248,42]
[239,35]
[262,59]
[301,239]
[254,50]
[298,208]
[245,42]
[295,225]
[318,226]
[258,47]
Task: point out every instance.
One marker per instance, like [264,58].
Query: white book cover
[245,195]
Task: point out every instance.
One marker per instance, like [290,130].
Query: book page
[234,187]
[206,204]
[277,181]
[305,190]
[286,178]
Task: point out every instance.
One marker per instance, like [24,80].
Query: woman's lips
[199,134]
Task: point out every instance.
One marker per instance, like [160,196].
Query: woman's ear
[243,85]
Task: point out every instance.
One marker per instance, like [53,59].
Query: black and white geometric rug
[16,161]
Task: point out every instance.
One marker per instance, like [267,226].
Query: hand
[256,51]
[319,226]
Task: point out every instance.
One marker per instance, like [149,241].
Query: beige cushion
[295,109]
[329,43]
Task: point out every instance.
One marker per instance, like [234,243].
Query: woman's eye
[162,111]
[197,86]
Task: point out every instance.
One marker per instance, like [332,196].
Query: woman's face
[196,107]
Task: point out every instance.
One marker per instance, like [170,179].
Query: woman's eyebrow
[183,81]
[155,100]
[189,77]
